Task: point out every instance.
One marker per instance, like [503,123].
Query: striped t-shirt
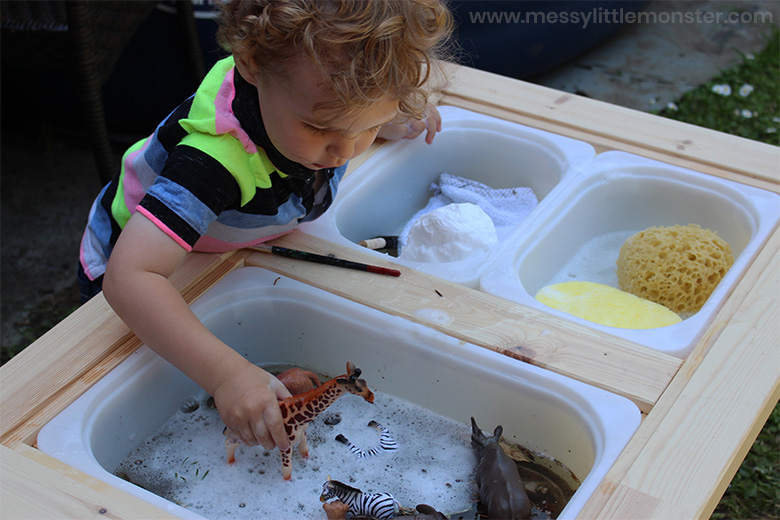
[208,177]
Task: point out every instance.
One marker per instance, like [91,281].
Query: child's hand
[248,404]
[431,124]
[137,287]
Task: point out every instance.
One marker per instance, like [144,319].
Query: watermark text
[602,15]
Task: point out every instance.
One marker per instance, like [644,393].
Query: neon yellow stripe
[202,115]
[119,209]
[251,171]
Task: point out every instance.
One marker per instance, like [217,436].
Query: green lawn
[744,101]
[741,101]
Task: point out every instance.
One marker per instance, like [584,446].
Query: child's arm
[137,287]
[431,124]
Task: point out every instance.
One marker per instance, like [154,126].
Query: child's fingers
[249,405]
[432,127]
[273,424]
[432,123]
[252,436]
[275,433]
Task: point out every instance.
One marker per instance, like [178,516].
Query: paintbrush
[321,259]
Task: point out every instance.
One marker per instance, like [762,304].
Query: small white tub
[385,192]
[276,320]
[615,196]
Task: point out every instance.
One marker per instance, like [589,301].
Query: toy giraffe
[299,410]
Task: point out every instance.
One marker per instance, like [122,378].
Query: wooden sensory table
[700,415]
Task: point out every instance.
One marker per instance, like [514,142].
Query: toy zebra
[386,442]
[375,505]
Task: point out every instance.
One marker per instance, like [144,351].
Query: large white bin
[272,319]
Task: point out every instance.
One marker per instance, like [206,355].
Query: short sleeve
[190,193]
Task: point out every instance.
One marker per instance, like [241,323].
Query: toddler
[260,147]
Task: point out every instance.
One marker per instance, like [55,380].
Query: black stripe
[106,201]
[170,132]
[204,177]
[174,222]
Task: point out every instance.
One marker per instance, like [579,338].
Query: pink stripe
[83,259]
[207,244]
[133,191]
[165,229]
[225,121]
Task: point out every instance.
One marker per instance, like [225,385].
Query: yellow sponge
[606,305]
[676,266]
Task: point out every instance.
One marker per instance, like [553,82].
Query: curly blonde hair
[365,49]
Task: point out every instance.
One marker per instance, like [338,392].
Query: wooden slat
[607,143]
[613,127]
[43,369]
[637,372]
[36,486]
[690,445]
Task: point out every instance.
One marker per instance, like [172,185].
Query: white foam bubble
[185,462]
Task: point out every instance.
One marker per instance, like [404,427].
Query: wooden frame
[702,413]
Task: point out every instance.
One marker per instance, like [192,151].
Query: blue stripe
[156,155]
[288,212]
[184,203]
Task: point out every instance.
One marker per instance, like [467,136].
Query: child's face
[287,106]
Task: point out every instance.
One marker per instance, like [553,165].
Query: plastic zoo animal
[337,510]
[299,410]
[386,442]
[374,505]
[501,489]
[426,512]
[298,380]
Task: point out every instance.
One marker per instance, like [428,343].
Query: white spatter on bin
[435,316]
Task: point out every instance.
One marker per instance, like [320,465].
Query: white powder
[185,462]
[450,233]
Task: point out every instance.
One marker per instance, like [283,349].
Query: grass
[741,101]
[744,101]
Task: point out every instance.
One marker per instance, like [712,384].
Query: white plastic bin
[272,320]
[580,234]
[386,191]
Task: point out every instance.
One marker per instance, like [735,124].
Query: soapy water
[594,261]
[185,462]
